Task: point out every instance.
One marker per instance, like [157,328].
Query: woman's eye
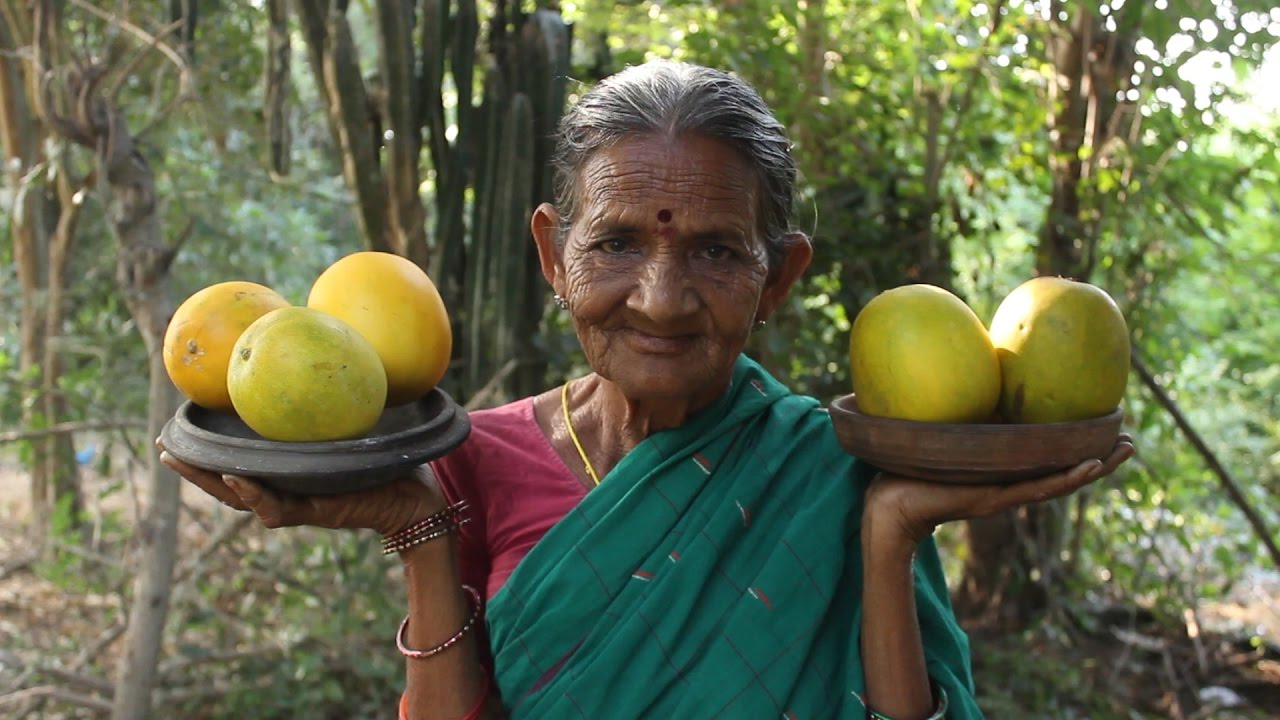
[717,252]
[615,246]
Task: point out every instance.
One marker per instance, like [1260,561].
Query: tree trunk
[353,117]
[61,470]
[22,156]
[275,103]
[403,138]
[40,269]
[142,267]
[523,101]
[1014,569]
[142,274]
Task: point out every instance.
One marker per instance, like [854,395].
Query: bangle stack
[437,525]
[466,627]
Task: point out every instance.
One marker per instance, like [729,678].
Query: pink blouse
[517,487]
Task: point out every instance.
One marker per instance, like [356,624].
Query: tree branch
[113,90]
[54,692]
[226,532]
[72,678]
[490,388]
[65,428]
[185,80]
[102,642]
[1232,488]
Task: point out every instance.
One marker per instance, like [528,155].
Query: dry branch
[89,555]
[53,692]
[172,667]
[1232,487]
[73,679]
[102,642]
[17,565]
[113,90]
[490,388]
[225,533]
[65,428]
[185,79]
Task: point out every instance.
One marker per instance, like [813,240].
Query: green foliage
[323,609]
[925,153]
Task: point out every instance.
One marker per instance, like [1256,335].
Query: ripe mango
[918,352]
[300,375]
[391,302]
[1064,351]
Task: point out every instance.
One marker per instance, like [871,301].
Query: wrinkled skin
[663,270]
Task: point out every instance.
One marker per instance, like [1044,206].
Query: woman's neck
[611,424]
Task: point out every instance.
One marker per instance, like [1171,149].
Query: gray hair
[669,99]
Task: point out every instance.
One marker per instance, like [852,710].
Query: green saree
[715,572]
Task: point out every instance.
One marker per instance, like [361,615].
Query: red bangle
[423,654]
[447,519]
[476,711]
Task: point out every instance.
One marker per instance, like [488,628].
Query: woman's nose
[662,292]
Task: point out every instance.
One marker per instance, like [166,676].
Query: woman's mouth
[659,344]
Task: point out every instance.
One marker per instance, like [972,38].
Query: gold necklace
[564,405]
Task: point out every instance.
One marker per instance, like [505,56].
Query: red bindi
[664,216]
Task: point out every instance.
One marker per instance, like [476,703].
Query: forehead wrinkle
[622,188]
[693,205]
[606,174]
[631,215]
[708,186]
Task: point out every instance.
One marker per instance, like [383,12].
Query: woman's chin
[668,380]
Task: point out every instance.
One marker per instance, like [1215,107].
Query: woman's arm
[900,513]
[451,683]
[897,681]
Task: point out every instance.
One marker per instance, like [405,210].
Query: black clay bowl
[405,436]
[971,453]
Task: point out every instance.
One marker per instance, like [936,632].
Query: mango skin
[204,328]
[1064,351]
[918,352]
[300,375]
[396,307]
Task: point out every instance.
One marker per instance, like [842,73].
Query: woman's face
[664,269]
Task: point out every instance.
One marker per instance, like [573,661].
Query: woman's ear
[545,226]
[799,253]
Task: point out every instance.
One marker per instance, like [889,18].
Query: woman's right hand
[384,509]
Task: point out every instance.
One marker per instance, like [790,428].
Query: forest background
[152,148]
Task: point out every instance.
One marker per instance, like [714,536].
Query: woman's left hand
[912,508]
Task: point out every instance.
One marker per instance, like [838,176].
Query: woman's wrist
[430,557]
[885,542]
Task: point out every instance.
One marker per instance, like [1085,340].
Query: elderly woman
[675,535]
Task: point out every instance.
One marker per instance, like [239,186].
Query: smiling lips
[659,345]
